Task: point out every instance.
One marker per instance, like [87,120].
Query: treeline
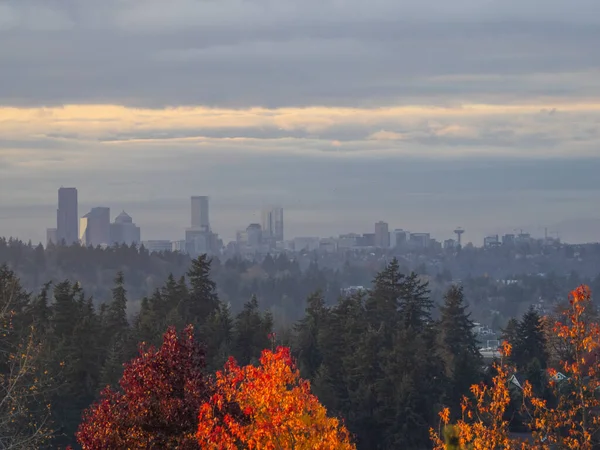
[281,282]
[378,360]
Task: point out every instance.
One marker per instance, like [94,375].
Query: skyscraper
[67,216]
[382,235]
[272,223]
[95,227]
[200,213]
[124,231]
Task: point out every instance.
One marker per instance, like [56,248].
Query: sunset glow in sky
[425,114]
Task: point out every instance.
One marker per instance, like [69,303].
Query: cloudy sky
[427,114]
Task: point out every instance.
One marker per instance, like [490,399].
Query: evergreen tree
[415,304]
[385,298]
[510,331]
[307,335]
[530,341]
[457,347]
[203,299]
[116,323]
[251,333]
[218,337]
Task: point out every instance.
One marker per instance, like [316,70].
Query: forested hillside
[378,360]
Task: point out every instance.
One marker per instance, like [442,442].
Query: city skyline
[271,216]
[428,114]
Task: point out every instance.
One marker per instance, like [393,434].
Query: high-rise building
[95,227]
[272,223]
[200,213]
[124,231]
[382,235]
[254,235]
[67,216]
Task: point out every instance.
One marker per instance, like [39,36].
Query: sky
[426,114]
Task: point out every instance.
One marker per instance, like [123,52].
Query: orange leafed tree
[574,421]
[280,411]
[482,426]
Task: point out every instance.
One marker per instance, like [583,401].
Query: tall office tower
[67,216]
[382,235]
[200,213]
[124,231]
[95,227]
[272,223]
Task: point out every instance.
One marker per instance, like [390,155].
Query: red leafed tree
[279,411]
[157,405]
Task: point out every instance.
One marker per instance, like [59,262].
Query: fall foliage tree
[157,405]
[279,410]
[24,407]
[483,425]
[574,421]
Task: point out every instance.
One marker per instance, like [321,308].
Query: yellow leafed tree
[278,410]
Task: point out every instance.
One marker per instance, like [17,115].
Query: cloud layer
[156,101]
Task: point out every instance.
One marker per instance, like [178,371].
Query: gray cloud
[249,53]
[525,168]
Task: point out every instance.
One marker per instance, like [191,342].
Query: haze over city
[427,115]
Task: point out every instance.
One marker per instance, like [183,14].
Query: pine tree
[251,332]
[509,333]
[415,303]
[217,334]
[203,299]
[384,300]
[307,335]
[530,341]
[116,314]
[457,347]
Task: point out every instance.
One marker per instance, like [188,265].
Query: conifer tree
[457,347]
[116,314]
[218,337]
[251,332]
[307,335]
[530,341]
[203,299]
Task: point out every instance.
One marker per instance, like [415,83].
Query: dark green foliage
[457,347]
[371,360]
[376,358]
[307,329]
[530,341]
[202,300]
[251,335]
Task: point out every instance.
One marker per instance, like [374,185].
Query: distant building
[491,241]
[328,245]
[306,243]
[178,246]
[197,241]
[382,235]
[95,227]
[508,239]
[124,231]
[51,236]
[450,244]
[366,240]
[157,246]
[272,223]
[67,216]
[347,241]
[200,218]
[420,240]
[254,235]
[398,238]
